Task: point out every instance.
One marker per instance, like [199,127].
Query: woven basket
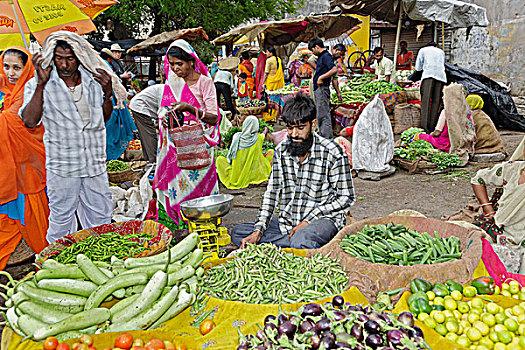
[413,94]
[251,110]
[153,228]
[416,166]
[135,171]
[21,254]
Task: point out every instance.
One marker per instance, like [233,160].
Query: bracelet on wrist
[485,204]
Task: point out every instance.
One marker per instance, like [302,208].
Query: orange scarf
[22,153]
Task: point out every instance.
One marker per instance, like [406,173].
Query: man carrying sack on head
[71,96]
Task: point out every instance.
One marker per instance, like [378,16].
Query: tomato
[169,345]
[180,347]
[82,346]
[154,344]
[75,346]
[206,326]
[50,343]
[63,346]
[92,348]
[86,339]
[124,341]
[138,342]
[135,347]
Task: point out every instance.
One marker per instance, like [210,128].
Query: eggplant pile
[336,325]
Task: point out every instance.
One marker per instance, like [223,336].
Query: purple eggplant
[360,347]
[260,335]
[287,328]
[351,307]
[415,332]
[357,332]
[311,310]
[394,337]
[306,326]
[242,347]
[338,301]
[281,319]
[328,342]
[315,341]
[362,318]
[270,330]
[387,319]
[374,316]
[372,327]
[374,341]
[406,318]
[269,318]
[342,346]
[322,325]
[339,315]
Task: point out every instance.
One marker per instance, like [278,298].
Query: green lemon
[431,295]
[481,347]
[456,295]
[505,337]
[499,346]
[463,341]
[474,334]
[438,300]
[513,347]
[493,336]
[451,336]
[486,342]
[438,316]
[482,327]
[463,307]
[514,290]
[449,314]
[521,329]
[422,316]
[506,293]
[470,291]
[472,317]
[505,286]
[500,327]
[521,296]
[452,326]
[500,318]
[477,303]
[511,324]
[488,319]
[450,304]
[440,329]
[522,342]
[476,311]
[493,308]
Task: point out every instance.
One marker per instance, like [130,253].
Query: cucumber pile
[64,301]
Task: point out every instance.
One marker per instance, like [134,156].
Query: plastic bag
[373,140]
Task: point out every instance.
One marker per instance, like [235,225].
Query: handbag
[189,143]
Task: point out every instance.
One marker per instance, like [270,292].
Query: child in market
[242,87]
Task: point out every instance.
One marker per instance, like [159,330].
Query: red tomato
[63,346]
[180,347]
[155,344]
[137,348]
[86,339]
[50,343]
[206,326]
[124,341]
[92,348]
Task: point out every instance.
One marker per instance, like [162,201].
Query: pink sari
[172,184]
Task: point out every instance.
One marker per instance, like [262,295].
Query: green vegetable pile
[104,246]
[116,165]
[348,97]
[287,89]
[397,245]
[378,87]
[264,274]
[64,301]
[423,150]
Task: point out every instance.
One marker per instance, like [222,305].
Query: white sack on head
[88,57]
[373,140]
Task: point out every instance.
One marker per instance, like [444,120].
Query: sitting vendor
[503,216]
[311,184]
[245,163]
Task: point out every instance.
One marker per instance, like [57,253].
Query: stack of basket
[135,171]
[251,110]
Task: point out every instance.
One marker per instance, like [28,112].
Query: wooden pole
[443,35]
[398,33]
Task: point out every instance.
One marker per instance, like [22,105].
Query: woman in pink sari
[189,89]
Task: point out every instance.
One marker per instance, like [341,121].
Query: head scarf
[88,57]
[244,139]
[475,102]
[22,153]
[176,89]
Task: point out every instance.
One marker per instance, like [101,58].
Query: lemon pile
[475,324]
[512,290]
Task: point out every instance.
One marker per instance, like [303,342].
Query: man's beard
[299,147]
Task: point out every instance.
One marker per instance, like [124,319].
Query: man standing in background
[431,60]
[324,71]
[383,66]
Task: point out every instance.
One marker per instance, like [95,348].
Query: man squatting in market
[311,183]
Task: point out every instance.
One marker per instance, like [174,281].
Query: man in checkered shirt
[73,105]
[311,184]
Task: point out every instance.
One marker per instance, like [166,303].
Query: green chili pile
[102,247]
[264,274]
[397,245]
[116,165]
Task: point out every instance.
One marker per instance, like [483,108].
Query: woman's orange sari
[23,169]
[247,67]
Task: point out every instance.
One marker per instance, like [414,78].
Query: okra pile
[65,301]
[397,245]
[265,274]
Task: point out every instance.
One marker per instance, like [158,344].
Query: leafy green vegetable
[421,149]
[410,132]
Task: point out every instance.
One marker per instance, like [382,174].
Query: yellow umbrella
[19,18]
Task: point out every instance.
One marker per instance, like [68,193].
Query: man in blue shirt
[324,71]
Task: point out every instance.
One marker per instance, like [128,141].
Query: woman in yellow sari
[245,163]
[274,80]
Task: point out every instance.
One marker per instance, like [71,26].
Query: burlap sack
[390,277]
[416,166]
[488,140]
[406,116]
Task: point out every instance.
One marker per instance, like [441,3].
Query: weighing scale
[204,216]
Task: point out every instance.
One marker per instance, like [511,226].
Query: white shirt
[384,68]
[73,148]
[148,101]
[223,76]
[431,60]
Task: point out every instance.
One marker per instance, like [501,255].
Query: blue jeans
[313,236]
